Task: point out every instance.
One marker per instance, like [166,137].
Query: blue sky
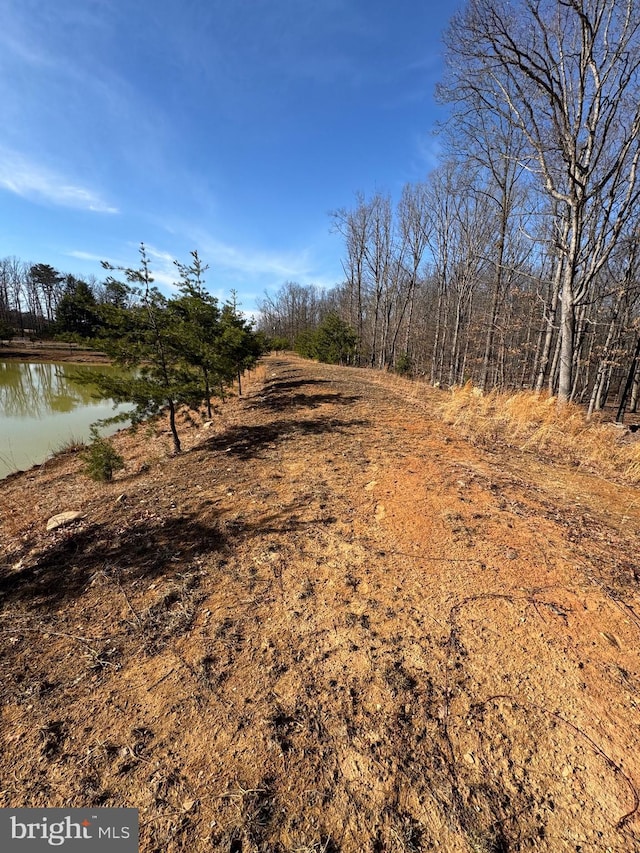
[228,126]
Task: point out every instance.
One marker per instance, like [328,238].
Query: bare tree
[565,73]
[459,235]
[624,293]
[17,274]
[378,261]
[478,132]
[354,226]
[412,224]
[293,310]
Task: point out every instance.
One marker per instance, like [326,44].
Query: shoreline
[68,358]
[50,351]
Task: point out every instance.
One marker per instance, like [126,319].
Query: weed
[69,445]
[101,458]
[52,736]
[398,679]
[170,616]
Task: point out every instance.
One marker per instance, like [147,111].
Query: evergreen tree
[239,346]
[176,349]
[77,314]
[335,341]
[198,329]
[115,293]
[146,339]
[6,331]
[44,286]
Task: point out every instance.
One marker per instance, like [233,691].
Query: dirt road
[330,625]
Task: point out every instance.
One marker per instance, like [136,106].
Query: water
[42,408]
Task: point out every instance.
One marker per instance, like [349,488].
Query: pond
[42,408]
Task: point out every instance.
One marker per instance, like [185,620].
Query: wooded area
[515,263]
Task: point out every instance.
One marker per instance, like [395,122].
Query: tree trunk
[553,372]
[630,380]
[436,378]
[174,432]
[550,316]
[527,353]
[407,337]
[455,351]
[495,301]
[595,402]
[568,313]
[207,391]
[635,392]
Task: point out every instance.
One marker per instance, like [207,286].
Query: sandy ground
[330,625]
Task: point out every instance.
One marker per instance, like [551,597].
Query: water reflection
[37,390]
[42,407]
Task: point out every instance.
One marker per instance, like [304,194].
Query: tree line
[515,263]
[30,296]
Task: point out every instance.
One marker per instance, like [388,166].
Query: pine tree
[239,346]
[77,314]
[197,316]
[175,350]
[145,339]
[335,341]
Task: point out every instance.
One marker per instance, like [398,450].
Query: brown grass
[532,421]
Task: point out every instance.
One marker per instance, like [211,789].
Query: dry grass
[533,421]
[528,421]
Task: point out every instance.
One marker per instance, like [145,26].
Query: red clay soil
[331,624]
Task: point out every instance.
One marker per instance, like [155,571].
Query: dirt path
[330,626]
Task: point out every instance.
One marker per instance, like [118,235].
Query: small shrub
[278,343]
[101,459]
[7,332]
[305,344]
[404,365]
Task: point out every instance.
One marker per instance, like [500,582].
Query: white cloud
[249,261]
[37,183]
[164,259]
[85,256]
[238,262]
[252,269]
[162,267]
[429,151]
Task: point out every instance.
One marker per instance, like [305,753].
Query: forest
[515,263]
